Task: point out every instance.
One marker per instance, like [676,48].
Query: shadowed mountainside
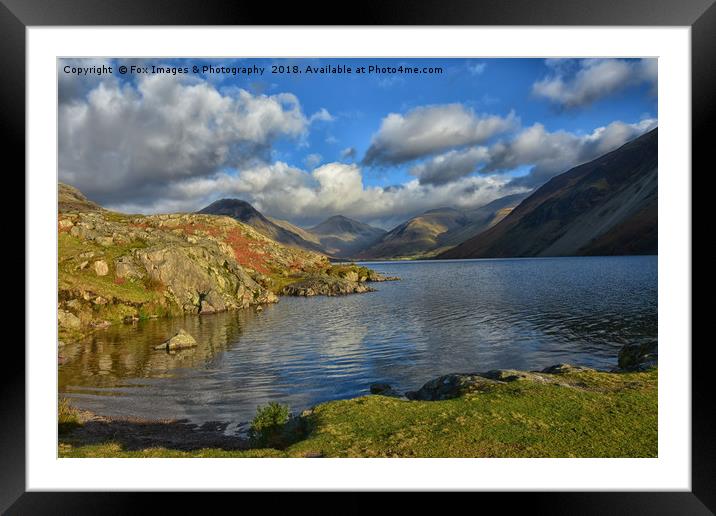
[607,206]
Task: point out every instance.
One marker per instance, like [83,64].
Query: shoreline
[637,370]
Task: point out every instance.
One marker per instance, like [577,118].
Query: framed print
[279,256]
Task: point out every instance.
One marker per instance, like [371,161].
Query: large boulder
[639,357]
[451,386]
[181,340]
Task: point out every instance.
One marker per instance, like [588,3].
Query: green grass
[115,450]
[592,414]
[67,417]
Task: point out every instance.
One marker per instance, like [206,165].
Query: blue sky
[379,147]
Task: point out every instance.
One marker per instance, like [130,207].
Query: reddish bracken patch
[244,253]
[119,281]
[190,229]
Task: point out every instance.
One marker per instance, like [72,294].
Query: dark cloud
[426,130]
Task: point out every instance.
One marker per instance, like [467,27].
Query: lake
[442,317]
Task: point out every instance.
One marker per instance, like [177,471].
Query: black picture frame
[700,15]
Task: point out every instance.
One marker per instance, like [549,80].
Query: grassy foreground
[583,414]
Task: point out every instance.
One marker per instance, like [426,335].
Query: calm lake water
[442,317]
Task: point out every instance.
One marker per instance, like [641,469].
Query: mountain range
[607,206]
[339,237]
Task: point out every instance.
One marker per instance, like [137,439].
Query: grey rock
[452,386]
[563,369]
[182,339]
[101,268]
[68,320]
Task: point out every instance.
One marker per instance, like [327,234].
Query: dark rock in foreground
[639,357]
[451,386]
[384,389]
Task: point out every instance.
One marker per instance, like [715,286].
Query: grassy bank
[579,414]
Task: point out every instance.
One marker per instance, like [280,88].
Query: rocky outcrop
[451,386]
[200,278]
[181,340]
[632,357]
[70,198]
[115,267]
[325,285]
[639,357]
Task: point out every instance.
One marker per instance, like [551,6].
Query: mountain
[607,206]
[343,237]
[245,212]
[70,198]
[482,218]
[436,230]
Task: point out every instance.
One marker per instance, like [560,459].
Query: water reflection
[441,317]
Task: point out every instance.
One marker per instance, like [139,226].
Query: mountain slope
[245,212]
[343,237]
[70,198]
[606,206]
[437,230]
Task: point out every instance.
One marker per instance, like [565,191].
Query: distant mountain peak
[342,224]
[235,208]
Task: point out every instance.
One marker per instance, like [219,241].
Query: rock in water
[181,340]
[639,357]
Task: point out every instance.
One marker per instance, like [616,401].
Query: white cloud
[430,129]
[593,79]
[129,141]
[551,153]
[305,197]
[322,115]
[548,153]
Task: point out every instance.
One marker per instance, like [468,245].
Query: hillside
[437,230]
[70,198]
[245,212]
[115,267]
[605,207]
